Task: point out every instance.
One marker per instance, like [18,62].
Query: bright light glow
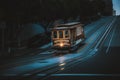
[62,64]
[62,59]
[61,44]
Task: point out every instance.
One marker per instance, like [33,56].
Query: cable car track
[75,60]
[53,68]
[24,61]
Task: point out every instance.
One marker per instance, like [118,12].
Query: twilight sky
[116,6]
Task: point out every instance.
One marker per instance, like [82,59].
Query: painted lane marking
[109,27]
[110,41]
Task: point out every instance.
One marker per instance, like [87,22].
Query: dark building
[108,7]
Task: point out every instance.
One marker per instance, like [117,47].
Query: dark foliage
[22,11]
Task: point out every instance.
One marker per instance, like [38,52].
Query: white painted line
[110,41]
[104,33]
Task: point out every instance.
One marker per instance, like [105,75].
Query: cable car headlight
[61,44]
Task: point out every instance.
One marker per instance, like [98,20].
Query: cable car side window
[60,34]
[55,34]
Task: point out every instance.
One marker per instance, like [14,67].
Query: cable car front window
[55,34]
[66,34]
[60,34]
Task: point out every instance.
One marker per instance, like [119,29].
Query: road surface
[97,58]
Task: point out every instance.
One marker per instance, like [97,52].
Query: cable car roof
[67,25]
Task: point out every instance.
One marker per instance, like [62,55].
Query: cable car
[67,36]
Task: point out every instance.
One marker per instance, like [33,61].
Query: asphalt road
[104,65]
[97,58]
